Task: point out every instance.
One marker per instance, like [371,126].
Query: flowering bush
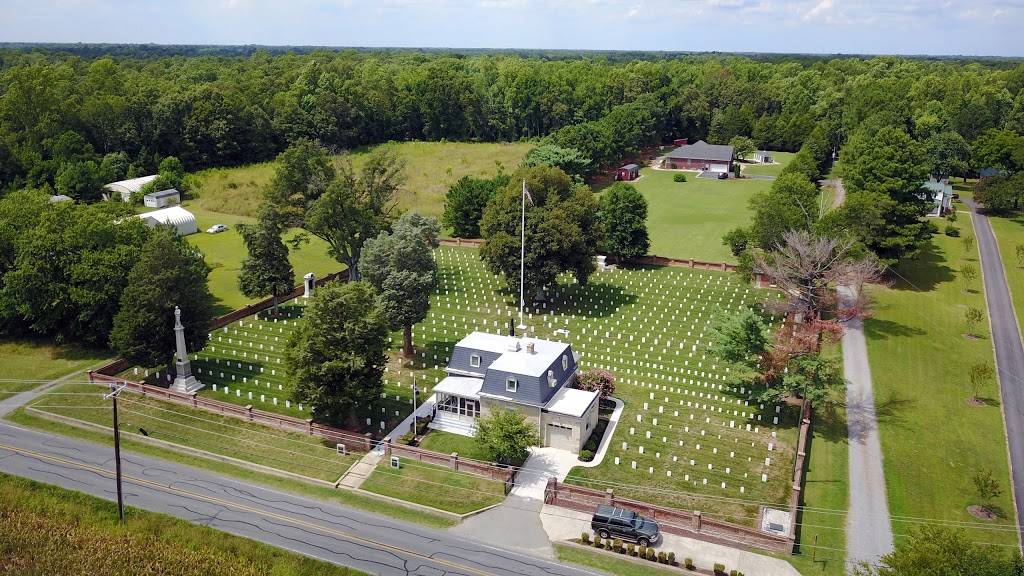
[601,381]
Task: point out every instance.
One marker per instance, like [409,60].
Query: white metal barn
[162,198]
[125,188]
[184,222]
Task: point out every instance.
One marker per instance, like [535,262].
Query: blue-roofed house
[492,371]
[940,192]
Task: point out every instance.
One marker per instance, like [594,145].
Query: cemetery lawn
[430,168]
[609,564]
[645,326]
[446,443]
[919,364]
[50,530]
[688,219]
[288,451]
[341,497]
[36,359]
[434,486]
[781,159]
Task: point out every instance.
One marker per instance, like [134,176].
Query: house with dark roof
[628,172]
[490,372]
[700,156]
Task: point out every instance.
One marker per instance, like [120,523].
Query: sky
[936,27]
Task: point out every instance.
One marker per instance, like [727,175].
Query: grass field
[58,532]
[919,363]
[688,219]
[434,486]
[446,443]
[298,453]
[430,168]
[38,359]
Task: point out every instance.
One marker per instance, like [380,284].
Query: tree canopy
[266,270]
[506,434]
[622,213]
[465,202]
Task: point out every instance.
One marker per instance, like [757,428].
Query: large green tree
[337,354]
[506,435]
[1000,149]
[948,154]
[266,270]
[562,229]
[569,160]
[790,204]
[941,551]
[465,202]
[401,266]
[623,215]
[169,272]
[70,270]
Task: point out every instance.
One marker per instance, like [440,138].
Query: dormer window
[551,378]
[511,385]
[474,360]
[565,362]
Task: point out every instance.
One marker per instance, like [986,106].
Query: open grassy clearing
[1009,232]
[49,530]
[297,453]
[688,219]
[37,359]
[342,497]
[431,167]
[646,327]
[446,443]
[920,359]
[434,486]
[781,159]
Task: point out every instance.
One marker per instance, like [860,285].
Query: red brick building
[628,172]
[700,156]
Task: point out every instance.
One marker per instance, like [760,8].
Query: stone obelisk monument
[184,381]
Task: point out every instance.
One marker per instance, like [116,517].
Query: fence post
[454,462]
[248,411]
[368,441]
[696,521]
[309,425]
[195,402]
[609,496]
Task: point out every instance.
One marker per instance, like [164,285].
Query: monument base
[188,385]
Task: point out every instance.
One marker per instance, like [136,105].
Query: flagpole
[522,260]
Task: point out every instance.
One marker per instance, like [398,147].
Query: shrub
[597,538]
[651,555]
[719,568]
[591,444]
[585,538]
[598,543]
[586,455]
[679,178]
[732,573]
[662,558]
[642,552]
[672,558]
[952,231]
[407,438]
[951,216]
[617,545]
[631,549]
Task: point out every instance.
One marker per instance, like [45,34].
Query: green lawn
[933,440]
[430,168]
[434,486]
[688,219]
[341,497]
[39,360]
[225,252]
[49,530]
[446,443]
[609,564]
[781,159]
[298,453]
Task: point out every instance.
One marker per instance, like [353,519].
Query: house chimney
[530,348]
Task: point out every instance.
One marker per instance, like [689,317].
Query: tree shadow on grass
[878,329]
[924,272]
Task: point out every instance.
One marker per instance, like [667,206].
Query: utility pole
[415,418]
[114,391]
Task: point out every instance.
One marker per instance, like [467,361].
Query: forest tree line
[68,121]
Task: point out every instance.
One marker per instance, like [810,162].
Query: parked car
[216,229]
[609,521]
[723,175]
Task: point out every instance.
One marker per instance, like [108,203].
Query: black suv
[610,521]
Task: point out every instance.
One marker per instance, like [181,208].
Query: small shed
[184,222]
[680,142]
[764,157]
[628,172]
[162,198]
[125,188]
[60,198]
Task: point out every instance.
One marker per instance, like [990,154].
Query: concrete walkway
[868,527]
[562,524]
[1008,349]
[360,471]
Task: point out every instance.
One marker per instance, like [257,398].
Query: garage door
[718,167]
[561,437]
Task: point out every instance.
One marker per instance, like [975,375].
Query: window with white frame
[551,378]
[474,360]
[565,362]
[511,384]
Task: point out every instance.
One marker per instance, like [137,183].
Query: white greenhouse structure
[184,222]
[125,188]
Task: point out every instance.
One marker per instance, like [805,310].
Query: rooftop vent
[530,348]
[513,345]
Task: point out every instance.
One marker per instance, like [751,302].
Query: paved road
[340,535]
[868,528]
[1009,352]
